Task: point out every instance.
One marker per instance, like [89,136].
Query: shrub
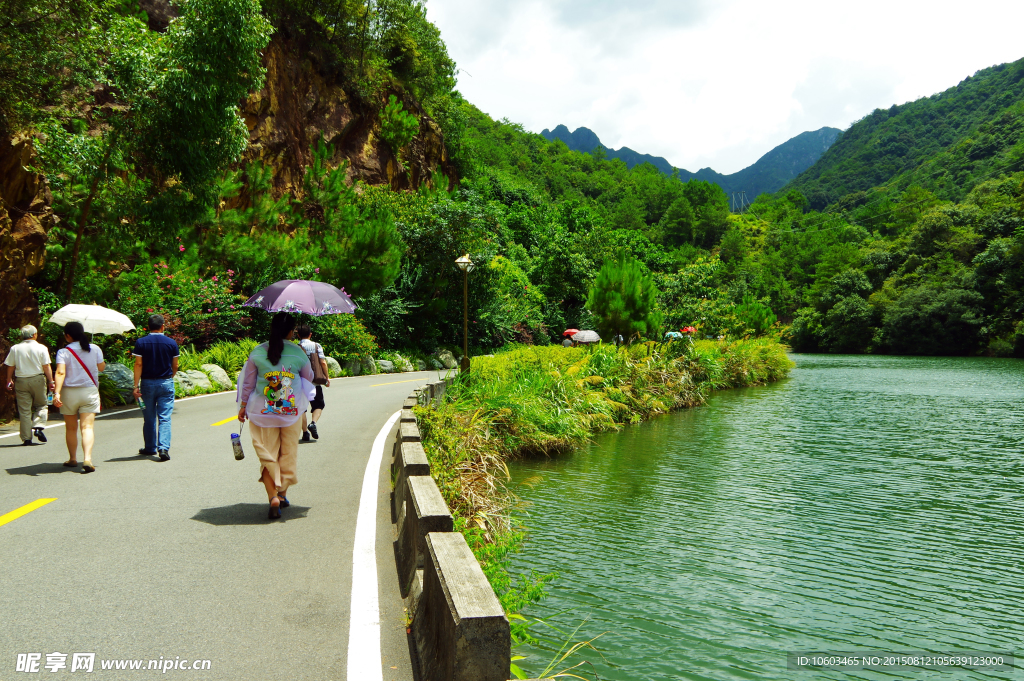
[229,356]
[343,337]
[931,320]
[198,310]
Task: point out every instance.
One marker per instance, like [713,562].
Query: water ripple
[865,503]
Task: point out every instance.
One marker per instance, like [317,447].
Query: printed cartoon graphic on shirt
[279,393]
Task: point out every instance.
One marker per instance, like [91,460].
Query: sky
[715,83]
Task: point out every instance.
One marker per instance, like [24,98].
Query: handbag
[87,372]
[319,375]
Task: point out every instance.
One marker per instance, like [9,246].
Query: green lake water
[864,503]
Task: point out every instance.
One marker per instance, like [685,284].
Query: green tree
[934,319]
[624,299]
[153,160]
[515,308]
[187,120]
[757,318]
[356,246]
[48,56]
[397,127]
[848,326]
[678,222]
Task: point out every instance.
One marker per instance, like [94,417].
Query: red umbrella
[570,332]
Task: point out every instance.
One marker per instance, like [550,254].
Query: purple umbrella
[297,295]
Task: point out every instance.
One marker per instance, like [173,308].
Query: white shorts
[82,400]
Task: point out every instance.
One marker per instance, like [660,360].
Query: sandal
[88,468]
[284,502]
[71,464]
[275,511]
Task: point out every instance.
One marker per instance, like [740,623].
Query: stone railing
[459,628]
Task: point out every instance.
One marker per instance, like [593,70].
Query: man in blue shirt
[156,362]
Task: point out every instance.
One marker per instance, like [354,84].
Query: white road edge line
[364,659]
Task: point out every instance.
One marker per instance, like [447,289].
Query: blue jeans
[158,398]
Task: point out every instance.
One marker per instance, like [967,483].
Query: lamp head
[465,264]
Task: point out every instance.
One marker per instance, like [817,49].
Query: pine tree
[624,299]
[677,223]
[358,247]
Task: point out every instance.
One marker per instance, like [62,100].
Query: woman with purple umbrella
[266,382]
[274,389]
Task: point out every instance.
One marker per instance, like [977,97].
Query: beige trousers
[278,450]
[31,395]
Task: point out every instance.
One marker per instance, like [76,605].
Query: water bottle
[138,400]
[49,399]
[236,446]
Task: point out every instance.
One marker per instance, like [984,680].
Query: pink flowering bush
[198,311]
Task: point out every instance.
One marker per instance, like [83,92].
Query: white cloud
[714,83]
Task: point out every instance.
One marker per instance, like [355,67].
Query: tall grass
[228,355]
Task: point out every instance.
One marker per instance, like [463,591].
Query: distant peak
[768,174]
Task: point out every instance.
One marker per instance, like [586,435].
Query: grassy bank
[530,401]
[549,400]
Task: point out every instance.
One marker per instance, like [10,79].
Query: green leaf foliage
[188,121]
[397,127]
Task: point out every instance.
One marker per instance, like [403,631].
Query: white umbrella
[586,337]
[94,319]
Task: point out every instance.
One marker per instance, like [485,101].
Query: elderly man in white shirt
[29,374]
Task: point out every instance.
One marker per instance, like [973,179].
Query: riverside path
[176,561]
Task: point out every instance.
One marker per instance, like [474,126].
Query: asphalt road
[144,560]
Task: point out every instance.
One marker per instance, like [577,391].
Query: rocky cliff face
[298,104]
[25,218]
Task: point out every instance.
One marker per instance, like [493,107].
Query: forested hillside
[945,143]
[328,141]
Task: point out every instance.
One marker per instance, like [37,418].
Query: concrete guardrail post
[407,417]
[408,431]
[425,511]
[437,392]
[460,629]
[412,461]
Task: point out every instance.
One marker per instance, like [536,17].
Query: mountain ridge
[768,174]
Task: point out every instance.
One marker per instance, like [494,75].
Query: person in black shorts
[315,352]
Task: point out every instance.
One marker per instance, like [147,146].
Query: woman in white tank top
[77,394]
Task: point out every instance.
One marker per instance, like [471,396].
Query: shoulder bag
[319,375]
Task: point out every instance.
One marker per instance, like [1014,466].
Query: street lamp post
[466,265]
